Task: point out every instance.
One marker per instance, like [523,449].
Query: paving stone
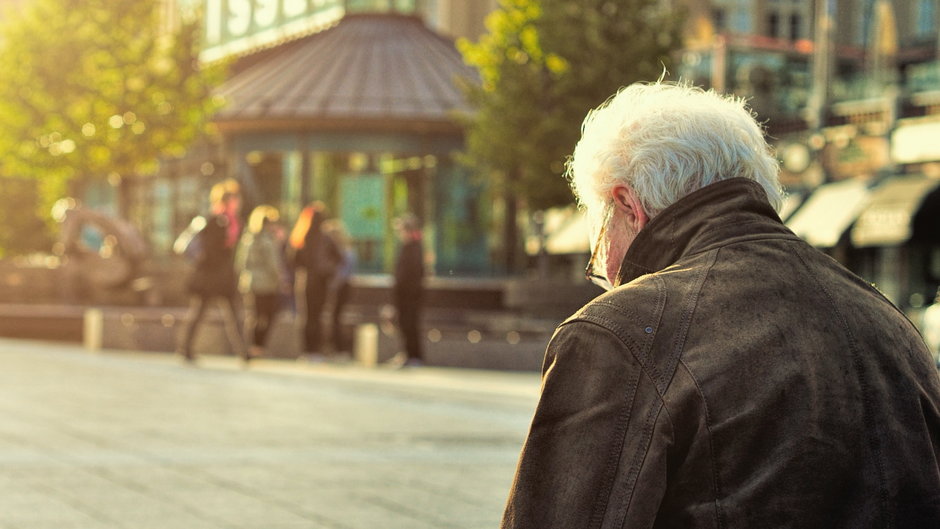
[128,440]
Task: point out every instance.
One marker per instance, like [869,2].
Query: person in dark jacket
[340,287]
[732,376]
[408,290]
[213,278]
[319,257]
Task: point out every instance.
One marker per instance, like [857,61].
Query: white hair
[666,140]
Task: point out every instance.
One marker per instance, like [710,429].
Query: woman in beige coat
[261,276]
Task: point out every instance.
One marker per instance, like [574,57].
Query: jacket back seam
[873,441]
[716,478]
[691,303]
[615,454]
[642,451]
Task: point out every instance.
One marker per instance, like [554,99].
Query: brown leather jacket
[738,379]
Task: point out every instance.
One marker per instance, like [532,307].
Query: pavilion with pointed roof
[377,72]
[364,116]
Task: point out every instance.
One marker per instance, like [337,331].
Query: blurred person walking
[340,288]
[319,257]
[262,279]
[733,376]
[408,290]
[212,249]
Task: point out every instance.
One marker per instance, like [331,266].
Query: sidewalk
[139,440]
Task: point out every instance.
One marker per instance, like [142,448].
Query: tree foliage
[97,89]
[543,64]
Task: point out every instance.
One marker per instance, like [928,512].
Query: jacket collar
[715,215]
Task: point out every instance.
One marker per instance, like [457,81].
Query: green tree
[543,64]
[97,89]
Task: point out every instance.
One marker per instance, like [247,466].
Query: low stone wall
[478,340]
[479,323]
[45,322]
[30,281]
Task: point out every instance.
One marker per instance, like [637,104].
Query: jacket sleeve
[594,456]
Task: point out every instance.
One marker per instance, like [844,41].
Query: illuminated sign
[236,26]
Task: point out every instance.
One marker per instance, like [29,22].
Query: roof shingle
[388,69]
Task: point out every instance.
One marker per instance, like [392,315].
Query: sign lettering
[233,26]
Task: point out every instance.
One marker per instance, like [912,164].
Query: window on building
[718,16]
[862,24]
[796,26]
[773,24]
[926,18]
[741,22]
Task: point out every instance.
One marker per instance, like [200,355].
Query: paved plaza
[140,440]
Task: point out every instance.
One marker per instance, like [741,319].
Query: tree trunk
[510,227]
[124,198]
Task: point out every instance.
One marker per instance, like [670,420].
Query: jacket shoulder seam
[631,345]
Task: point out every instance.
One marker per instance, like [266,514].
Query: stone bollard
[366,344]
[93,329]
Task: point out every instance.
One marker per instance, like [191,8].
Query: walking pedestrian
[408,290]
[213,277]
[319,258]
[340,288]
[733,376]
[261,275]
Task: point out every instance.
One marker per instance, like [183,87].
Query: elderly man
[733,377]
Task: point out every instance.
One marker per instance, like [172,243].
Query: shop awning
[887,220]
[790,204]
[829,211]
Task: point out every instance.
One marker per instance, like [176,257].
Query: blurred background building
[849,92]
[354,103]
[350,102]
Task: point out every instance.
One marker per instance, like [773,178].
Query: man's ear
[626,200]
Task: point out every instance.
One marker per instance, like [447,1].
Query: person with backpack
[211,249]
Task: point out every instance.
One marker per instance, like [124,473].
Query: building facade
[849,93]
[352,103]
[321,108]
